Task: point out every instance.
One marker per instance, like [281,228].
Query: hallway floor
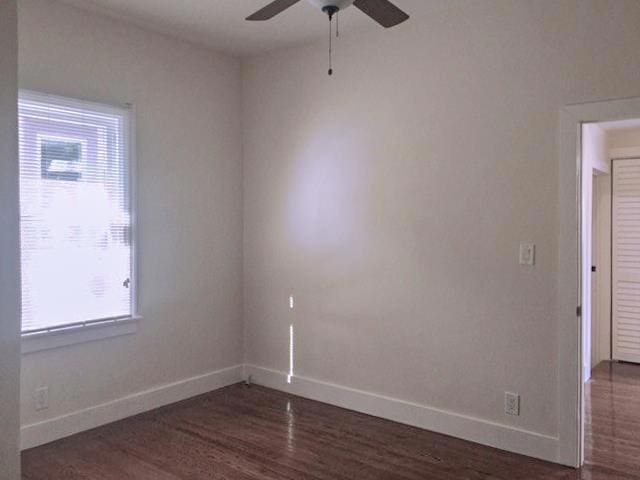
[612,426]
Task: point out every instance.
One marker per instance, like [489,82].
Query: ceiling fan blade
[382,11]
[273,9]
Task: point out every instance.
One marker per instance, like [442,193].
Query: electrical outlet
[527,253]
[511,403]
[41,398]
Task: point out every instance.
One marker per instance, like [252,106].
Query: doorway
[610,265]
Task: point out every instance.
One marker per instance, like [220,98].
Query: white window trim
[66,336]
[108,328]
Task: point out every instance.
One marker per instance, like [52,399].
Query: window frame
[91,330]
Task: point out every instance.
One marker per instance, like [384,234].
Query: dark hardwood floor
[255,433]
[612,425]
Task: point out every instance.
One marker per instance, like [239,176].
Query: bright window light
[75,213]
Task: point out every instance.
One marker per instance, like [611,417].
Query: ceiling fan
[382,11]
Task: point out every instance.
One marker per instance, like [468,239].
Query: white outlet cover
[41,398]
[527,253]
[511,403]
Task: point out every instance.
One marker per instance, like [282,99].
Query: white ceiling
[220,24]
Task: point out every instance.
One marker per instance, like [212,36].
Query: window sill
[37,342]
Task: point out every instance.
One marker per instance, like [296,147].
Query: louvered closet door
[626,260]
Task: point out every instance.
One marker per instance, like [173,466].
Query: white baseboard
[469,428]
[59,427]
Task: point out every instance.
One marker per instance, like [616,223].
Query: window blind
[75,212]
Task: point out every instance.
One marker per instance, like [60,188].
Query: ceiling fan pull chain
[330,45]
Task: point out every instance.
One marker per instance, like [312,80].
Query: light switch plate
[527,253]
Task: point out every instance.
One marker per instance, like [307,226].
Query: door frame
[569,287]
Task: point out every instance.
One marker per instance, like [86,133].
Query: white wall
[187,102]
[390,200]
[9,238]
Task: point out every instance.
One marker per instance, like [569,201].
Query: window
[75,214]
[61,158]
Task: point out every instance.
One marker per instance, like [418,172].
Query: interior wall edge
[469,428]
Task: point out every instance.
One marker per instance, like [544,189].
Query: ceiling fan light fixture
[323,4]
[382,11]
[330,10]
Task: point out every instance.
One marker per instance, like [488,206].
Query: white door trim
[569,284]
